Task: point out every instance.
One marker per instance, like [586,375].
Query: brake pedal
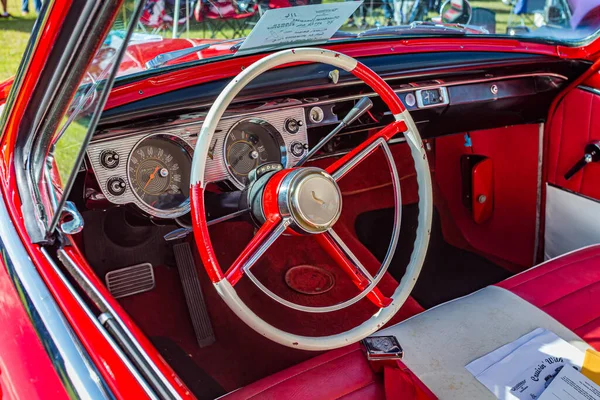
[193,294]
[130,280]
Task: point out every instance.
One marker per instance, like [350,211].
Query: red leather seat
[568,289]
[338,374]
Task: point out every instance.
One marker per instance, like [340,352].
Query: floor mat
[240,355]
[448,272]
[111,242]
[197,380]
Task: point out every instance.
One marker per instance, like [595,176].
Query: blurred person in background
[359,18]
[5,13]
[388,12]
[25,6]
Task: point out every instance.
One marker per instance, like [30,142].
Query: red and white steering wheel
[308,201]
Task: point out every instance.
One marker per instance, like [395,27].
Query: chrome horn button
[312,198]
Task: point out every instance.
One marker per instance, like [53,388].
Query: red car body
[30,366]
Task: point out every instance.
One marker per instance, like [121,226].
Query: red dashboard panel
[575,123]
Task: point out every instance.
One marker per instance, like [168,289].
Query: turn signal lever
[361,107]
[592,154]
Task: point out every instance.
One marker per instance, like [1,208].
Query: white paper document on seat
[524,368]
[570,384]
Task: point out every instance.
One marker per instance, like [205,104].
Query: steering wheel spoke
[307,201]
[260,243]
[345,164]
[351,265]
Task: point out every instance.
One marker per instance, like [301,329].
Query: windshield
[172,32]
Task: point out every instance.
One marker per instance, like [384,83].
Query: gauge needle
[152,175]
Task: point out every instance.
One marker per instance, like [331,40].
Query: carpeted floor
[448,272]
[240,355]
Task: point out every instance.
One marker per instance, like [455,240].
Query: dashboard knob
[109,159]
[116,186]
[293,125]
[297,149]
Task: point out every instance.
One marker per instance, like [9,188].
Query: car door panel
[575,123]
[572,213]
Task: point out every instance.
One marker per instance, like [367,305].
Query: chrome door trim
[589,89]
[538,205]
[101,328]
[70,359]
[105,307]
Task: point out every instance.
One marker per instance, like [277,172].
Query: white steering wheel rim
[223,286]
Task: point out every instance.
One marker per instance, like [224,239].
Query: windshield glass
[172,32]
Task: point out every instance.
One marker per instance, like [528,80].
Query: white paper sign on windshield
[302,25]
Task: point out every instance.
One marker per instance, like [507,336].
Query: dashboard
[141,154]
[151,168]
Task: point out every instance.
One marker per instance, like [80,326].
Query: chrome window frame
[73,365]
[41,201]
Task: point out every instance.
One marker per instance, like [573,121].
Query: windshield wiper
[164,58]
[414,28]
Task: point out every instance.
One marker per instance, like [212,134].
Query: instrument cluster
[151,169]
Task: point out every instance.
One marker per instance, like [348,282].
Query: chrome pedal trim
[130,280]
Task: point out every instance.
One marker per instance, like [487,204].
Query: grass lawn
[14,34]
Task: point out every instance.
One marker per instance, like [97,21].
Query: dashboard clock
[432,97]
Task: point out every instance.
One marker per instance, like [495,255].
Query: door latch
[592,154]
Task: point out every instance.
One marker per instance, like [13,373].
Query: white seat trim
[439,342]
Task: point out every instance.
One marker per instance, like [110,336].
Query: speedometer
[251,143]
[159,175]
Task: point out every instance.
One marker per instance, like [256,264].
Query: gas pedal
[193,294]
[130,280]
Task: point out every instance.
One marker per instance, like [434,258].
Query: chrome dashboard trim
[72,363]
[216,169]
[430,74]
[102,135]
[441,84]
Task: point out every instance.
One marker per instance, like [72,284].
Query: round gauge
[159,175]
[251,143]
